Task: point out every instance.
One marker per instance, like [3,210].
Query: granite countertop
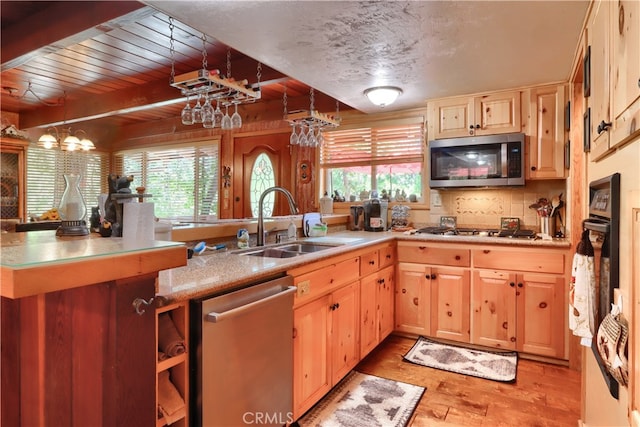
[217,272]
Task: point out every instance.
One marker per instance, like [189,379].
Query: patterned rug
[361,400]
[492,365]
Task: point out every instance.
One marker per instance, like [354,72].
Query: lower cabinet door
[413,298]
[450,301]
[345,317]
[311,364]
[494,309]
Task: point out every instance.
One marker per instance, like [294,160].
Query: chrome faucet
[292,207]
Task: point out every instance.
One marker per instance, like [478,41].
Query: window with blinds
[182,180]
[45,181]
[387,156]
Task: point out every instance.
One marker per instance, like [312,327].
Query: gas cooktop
[481,232]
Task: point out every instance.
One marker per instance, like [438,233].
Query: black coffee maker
[373,215]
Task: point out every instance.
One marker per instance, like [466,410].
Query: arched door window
[262,177]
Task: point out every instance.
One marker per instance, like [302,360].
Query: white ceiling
[430,49]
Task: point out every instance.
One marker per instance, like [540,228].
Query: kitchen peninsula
[78,339]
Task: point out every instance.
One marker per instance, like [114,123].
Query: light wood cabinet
[433,291]
[545,157]
[613,31]
[450,302]
[473,116]
[376,308]
[12,179]
[413,299]
[377,285]
[518,301]
[177,366]
[326,328]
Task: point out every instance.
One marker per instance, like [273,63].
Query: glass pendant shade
[47,141]
[72,208]
[383,95]
[70,143]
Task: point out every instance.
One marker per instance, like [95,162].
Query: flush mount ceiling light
[383,95]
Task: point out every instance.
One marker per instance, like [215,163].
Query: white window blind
[182,180]
[45,181]
[399,143]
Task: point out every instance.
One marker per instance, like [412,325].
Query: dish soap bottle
[291,230]
[326,204]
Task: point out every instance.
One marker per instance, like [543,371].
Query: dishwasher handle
[215,317]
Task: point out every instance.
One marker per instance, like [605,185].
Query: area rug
[362,400]
[492,365]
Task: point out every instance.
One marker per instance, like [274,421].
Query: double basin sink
[287,250]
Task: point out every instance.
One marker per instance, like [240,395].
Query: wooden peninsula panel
[78,352]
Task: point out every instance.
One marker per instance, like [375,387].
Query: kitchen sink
[288,250]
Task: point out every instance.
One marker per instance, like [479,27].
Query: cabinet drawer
[325,279]
[540,262]
[387,256]
[369,263]
[431,254]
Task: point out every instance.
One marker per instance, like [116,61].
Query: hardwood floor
[543,394]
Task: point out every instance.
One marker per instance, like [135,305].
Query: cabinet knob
[513,285]
[433,277]
[603,126]
[457,257]
[427,276]
[533,168]
[478,126]
[372,262]
[519,285]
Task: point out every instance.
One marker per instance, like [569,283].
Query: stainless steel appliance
[357,217]
[483,232]
[604,220]
[244,356]
[481,161]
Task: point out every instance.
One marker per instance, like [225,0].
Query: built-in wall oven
[604,221]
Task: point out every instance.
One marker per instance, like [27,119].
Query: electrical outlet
[304,288]
[436,200]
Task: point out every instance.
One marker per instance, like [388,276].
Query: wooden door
[413,298]
[345,316]
[385,302]
[541,308]
[497,113]
[368,313]
[246,151]
[450,301]
[311,365]
[494,309]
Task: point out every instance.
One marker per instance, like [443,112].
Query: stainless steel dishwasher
[244,356]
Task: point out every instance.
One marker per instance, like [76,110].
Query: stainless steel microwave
[477,161]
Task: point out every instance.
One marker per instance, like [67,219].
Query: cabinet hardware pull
[543,305]
[427,276]
[519,285]
[505,325]
[486,251]
[457,257]
[433,277]
[138,303]
[603,126]
[513,339]
[512,284]
[372,262]
[422,248]
[533,168]
[415,301]
[449,313]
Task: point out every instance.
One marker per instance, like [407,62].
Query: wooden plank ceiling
[108,64]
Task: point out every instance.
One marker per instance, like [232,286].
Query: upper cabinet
[473,116]
[613,75]
[12,178]
[545,152]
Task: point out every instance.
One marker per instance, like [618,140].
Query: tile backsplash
[484,207]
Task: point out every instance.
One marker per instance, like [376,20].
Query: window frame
[378,123]
[207,143]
